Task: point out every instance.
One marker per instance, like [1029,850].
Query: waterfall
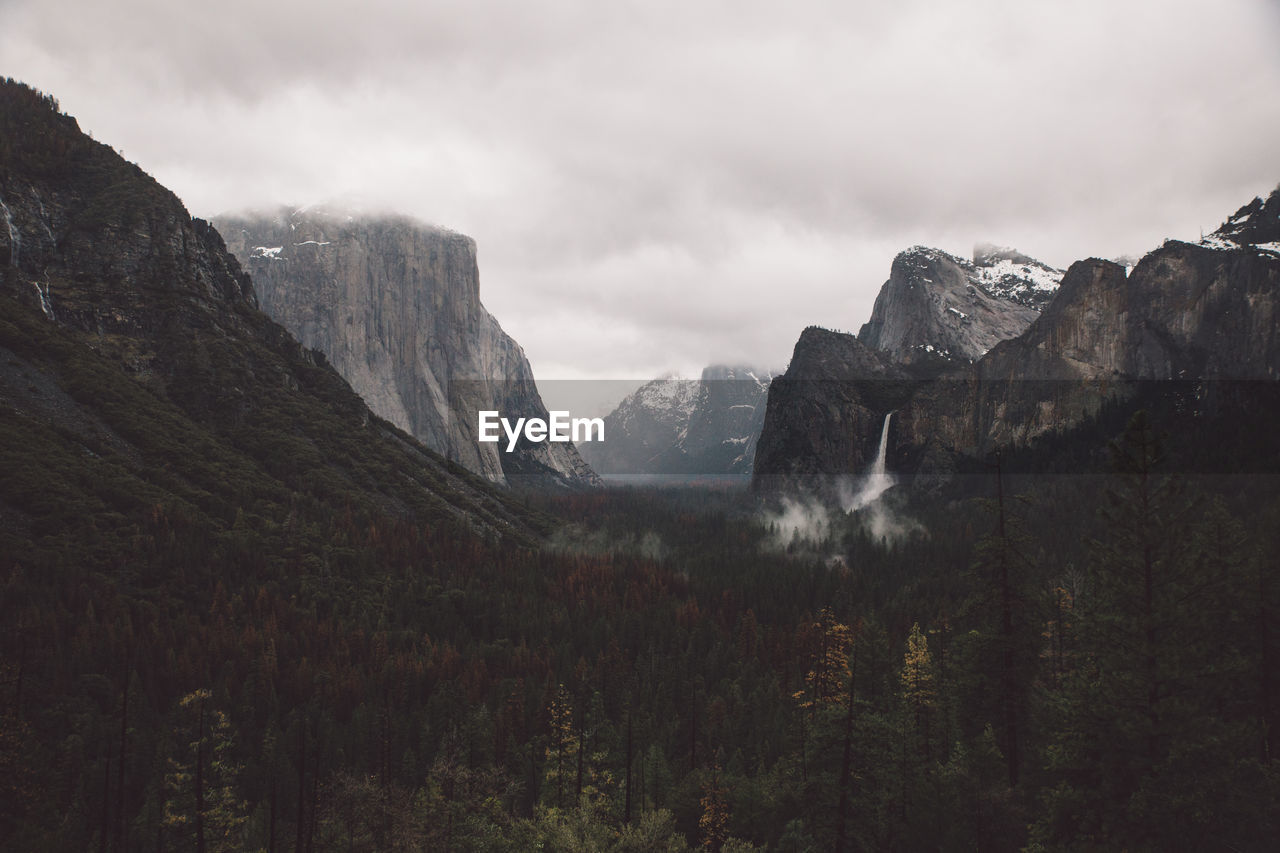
[42,293]
[878,480]
[15,236]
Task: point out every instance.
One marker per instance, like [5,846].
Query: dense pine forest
[1090,662]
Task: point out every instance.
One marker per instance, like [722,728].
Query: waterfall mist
[862,500]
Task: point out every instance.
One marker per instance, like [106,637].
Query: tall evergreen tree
[203,808]
[1141,728]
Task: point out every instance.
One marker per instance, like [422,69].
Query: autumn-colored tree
[714,822]
[829,670]
[919,693]
[562,744]
[203,805]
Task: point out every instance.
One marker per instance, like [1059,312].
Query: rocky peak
[668,400]
[644,428]
[939,308]
[1009,274]
[726,420]
[827,354]
[1255,224]
[824,413]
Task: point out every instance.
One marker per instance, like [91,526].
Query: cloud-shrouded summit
[657,186]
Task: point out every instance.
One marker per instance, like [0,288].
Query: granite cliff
[824,414]
[936,307]
[395,306]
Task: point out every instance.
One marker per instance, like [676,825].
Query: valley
[997,573]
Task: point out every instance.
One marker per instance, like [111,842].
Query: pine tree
[714,822]
[919,692]
[562,745]
[829,672]
[203,807]
[1144,719]
[1004,637]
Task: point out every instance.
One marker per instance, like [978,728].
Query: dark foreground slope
[134,348]
[171,459]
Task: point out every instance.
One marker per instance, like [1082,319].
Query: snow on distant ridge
[1256,226]
[1003,272]
[1005,277]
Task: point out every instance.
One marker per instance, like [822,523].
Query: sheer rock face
[395,306]
[824,414]
[936,307]
[686,427]
[1186,312]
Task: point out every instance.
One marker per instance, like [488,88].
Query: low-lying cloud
[703,179]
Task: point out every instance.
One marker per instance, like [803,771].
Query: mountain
[644,426]
[825,412]
[936,307]
[725,423]
[139,378]
[395,306]
[1192,329]
[686,428]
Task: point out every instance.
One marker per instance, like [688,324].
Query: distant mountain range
[936,311]
[395,306]
[685,428]
[1196,319]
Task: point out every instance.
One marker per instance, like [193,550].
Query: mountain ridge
[1185,313]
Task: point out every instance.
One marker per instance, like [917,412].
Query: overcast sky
[656,185]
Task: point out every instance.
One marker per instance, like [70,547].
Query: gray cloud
[657,185]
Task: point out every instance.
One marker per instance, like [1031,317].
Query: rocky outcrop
[395,306]
[1189,318]
[824,414]
[937,308]
[686,428]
